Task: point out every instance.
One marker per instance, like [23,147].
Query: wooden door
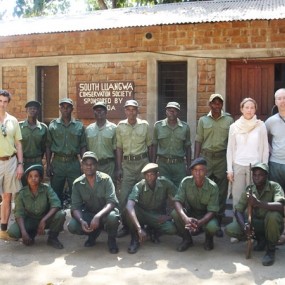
[255,80]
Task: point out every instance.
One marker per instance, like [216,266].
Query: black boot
[186,242]
[134,245]
[91,241]
[112,244]
[209,242]
[269,257]
[261,244]
[219,232]
[53,240]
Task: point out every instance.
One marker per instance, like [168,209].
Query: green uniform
[213,136]
[171,145]
[91,200]
[102,141]
[197,203]
[265,223]
[33,208]
[134,141]
[65,142]
[151,204]
[33,143]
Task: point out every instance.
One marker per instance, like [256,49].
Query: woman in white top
[247,144]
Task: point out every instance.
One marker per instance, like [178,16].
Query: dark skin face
[89,167]
[259,178]
[216,107]
[32,112]
[100,114]
[199,173]
[33,179]
[172,114]
[65,110]
[131,114]
[150,178]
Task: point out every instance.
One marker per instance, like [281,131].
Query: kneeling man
[93,204]
[146,206]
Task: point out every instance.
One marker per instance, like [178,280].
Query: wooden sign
[113,93]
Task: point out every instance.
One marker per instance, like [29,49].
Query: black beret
[37,167]
[33,103]
[197,161]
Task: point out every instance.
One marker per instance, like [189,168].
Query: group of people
[159,189]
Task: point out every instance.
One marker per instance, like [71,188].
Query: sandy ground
[153,263]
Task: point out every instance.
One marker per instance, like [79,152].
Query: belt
[32,159]
[65,158]
[220,153]
[3,158]
[135,157]
[170,160]
[105,161]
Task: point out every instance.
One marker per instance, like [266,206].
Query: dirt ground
[153,263]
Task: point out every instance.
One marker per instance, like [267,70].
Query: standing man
[147,206]
[276,129]
[66,140]
[101,139]
[11,160]
[267,201]
[172,145]
[132,154]
[211,143]
[196,204]
[94,204]
[34,134]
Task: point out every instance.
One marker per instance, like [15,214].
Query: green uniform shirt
[213,134]
[66,140]
[272,192]
[200,201]
[93,199]
[133,140]
[171,141]
[153,200]
[34,139]
[28,205]
[102,141]
[13,131]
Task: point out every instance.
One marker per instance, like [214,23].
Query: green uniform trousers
[110,223]
[64,171]
[270,227]
[54,223]
[210,228]
[152,219]
[174,172]
[217,171]
[108,168]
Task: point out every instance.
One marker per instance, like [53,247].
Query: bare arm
[197,149]
[20,168]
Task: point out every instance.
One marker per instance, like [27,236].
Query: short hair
[5,93]
[245,100]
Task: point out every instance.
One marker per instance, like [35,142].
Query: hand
[230,176]
[252,200]
[192,225]
[119,175]
[249,232]
[26,239]
[95,223]
[49,170]
[85,227]
[142,235]
[20,171]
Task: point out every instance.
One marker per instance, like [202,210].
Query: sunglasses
[3,130]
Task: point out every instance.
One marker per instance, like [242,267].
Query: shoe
[209,242]
[5,236]
[234,240]
[184,245]
[219,233]
[54,242]
[124,231]
[269,258]
[112,244]
[91,241]
[134,245]
[260,246]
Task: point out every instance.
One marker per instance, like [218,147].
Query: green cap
[173,105]
[37,167]
[66,100]
[260,165]
[89,154]
[33,103]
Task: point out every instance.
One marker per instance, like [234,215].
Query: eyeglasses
[4,131]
